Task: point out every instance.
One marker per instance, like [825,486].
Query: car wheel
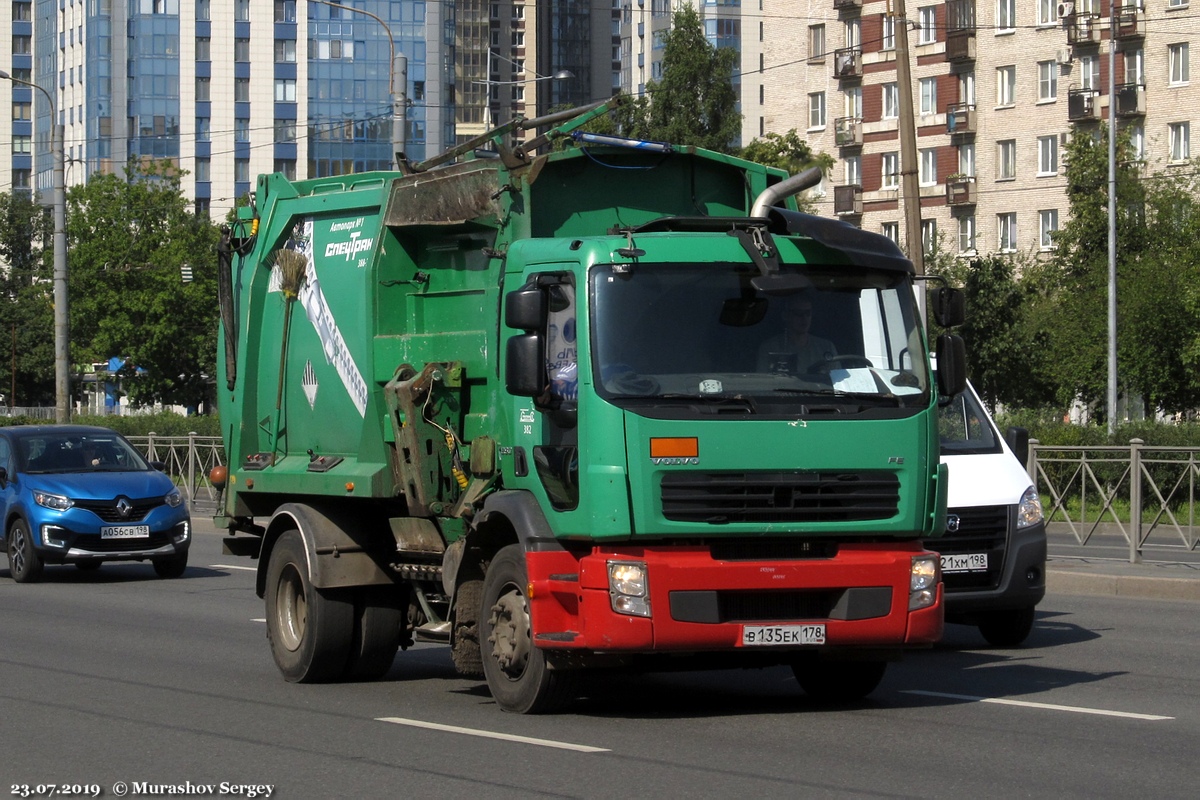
[1007,628]
[310,630]
[24,564]
[171,567]
[518,675]
[837,682]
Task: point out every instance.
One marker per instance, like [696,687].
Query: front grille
[717,498]
[981,529]
[763,606]
[107,509]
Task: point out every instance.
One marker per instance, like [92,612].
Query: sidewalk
[1154,580]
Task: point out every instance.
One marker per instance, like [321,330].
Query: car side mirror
[3,477]
[158,465]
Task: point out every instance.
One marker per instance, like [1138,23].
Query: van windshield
[964,427]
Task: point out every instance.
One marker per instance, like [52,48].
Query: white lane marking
[263,620]
[508,737]
[1046,706]
[231,566]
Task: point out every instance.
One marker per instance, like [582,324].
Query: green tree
[27,308]
[130,240]
[787,151]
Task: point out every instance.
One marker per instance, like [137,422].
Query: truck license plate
[125,532]
[965,562]
[768,635]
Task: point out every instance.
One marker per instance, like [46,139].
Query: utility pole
[1112,234]
[910,191]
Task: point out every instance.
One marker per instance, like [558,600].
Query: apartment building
[225,89]
[998,86]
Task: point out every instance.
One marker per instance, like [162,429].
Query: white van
[994,549]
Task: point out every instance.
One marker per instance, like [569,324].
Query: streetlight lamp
[397,91]
[62,362]
[561,75]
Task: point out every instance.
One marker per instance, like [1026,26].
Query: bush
[163,424]
[1049,429]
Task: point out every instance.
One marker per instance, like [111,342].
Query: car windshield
[67,452]
[964,427]
[700,336]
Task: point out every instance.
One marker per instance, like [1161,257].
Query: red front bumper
[700,604]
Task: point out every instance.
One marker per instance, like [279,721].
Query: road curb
[1065,581]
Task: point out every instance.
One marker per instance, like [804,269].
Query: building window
[241,170]
[891,170]
[852,103]
[1048,155]
[928,170]
[966,159]
[929,239]
[203,170]
[1006,86]
[1180,134]
[891,101]
[202,12]
[22,45]
[241,10]
[1006,159]
[241,90]
[816,110]
[21,110]
[891,230]
[1135,65]
[22,143]
[203,45]
[22,12]
[889,33]
[1006,16]
[1137,141]
[241,129]
[285,10]
[1047,81]
[1047,227]
[928,88]
[1047,12]
[966,234]
[203,129]
[285,51]
[241,50]
[966,88]
[1006,232]
[816,41]
[853,33]
[285,90]
[21,178]
[927,25]
[853,170]
[203,90]
[286,167]
[1177,56]
[285,130]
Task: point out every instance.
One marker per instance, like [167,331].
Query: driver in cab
[794,349]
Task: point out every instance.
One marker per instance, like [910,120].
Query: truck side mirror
[1018,442]
[525,308]
[525,365]
[949,306]
[951,365]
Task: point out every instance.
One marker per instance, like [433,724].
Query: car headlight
[173,498]
[54,501]
[923,581]
[628,588]
[1029,511]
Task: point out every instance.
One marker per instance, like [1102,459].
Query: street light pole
[398,83]
[62,360]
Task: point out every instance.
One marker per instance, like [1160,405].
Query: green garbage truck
[579,403]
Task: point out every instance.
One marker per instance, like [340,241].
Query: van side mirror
[1018,442]
[951,365]
[949,306]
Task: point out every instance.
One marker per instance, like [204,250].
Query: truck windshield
[964,427]
[701,337]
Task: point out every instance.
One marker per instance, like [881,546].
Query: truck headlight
[54,501]
[923,581]
[1029,510]
[628,588]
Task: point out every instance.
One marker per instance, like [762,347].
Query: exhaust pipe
[784,189]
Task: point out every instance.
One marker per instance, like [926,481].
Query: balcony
[1082,28]
[1131,100]
[847,5]
[847,131]
[1129,20]
[847,199]
[960,119]
[1081,105]
[960,190]
[960,45]
[847,62]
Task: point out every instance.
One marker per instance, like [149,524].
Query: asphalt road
[119,677]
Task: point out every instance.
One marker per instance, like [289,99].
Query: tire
[518,675]
[1007,628]
[310,630]
[24,564]
[838,682]
[465,651]
[171,567]
[379,615]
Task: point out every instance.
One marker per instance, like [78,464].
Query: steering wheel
[621,379]
[845,362]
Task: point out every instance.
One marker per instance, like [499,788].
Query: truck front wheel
[834,682]
[310,630]
[1007,628]
[517,673]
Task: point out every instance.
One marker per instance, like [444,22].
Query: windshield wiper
[714,399]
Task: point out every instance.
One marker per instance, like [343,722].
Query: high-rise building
[224,89]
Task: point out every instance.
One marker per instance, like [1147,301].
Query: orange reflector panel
[676,447]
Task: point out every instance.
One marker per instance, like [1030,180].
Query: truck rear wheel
[310,630]
[1007,628]
[517,672]
[379,612]
[837,682]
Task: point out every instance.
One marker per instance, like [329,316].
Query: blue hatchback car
[74,494]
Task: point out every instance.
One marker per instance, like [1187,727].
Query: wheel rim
[510,637]
[20,543]
[291,608]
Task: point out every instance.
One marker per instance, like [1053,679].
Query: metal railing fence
[1143,494]
[187,460]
